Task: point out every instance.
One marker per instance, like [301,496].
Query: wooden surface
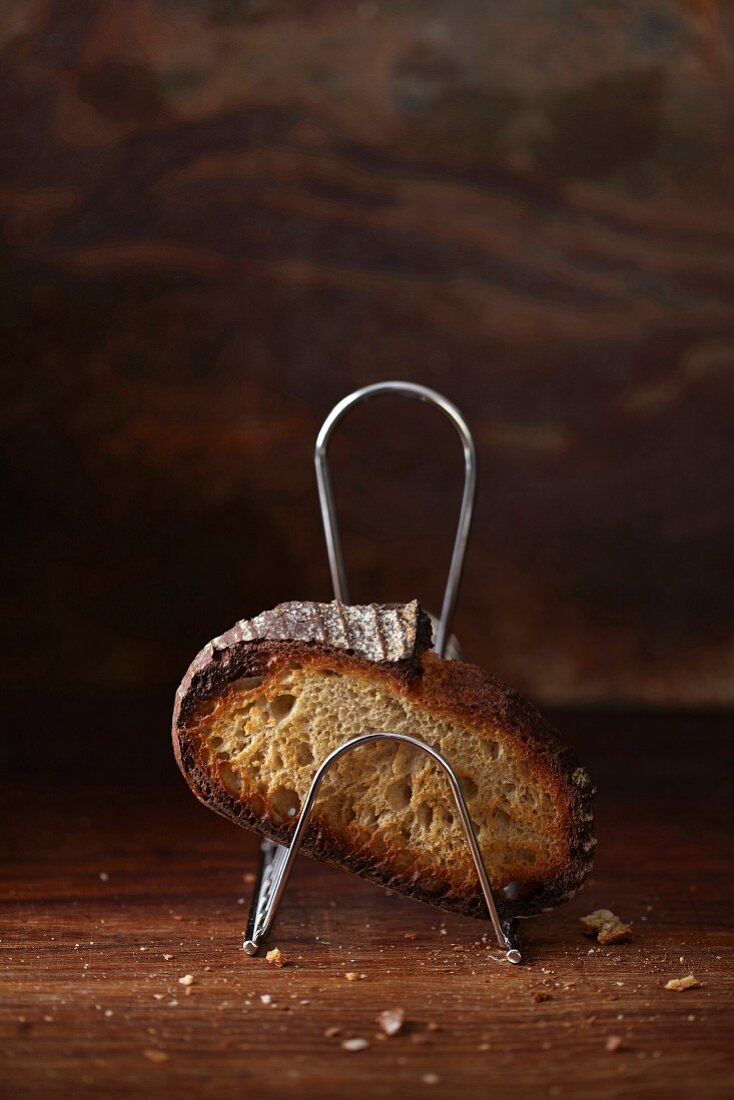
[221,216]
[87,989]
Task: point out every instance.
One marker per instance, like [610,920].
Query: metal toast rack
[276,859]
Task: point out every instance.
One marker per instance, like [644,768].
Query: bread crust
[460,692]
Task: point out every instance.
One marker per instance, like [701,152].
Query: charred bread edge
[462,693]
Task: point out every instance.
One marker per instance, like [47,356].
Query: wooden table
[117,886]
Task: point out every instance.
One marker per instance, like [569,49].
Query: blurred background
[221,216]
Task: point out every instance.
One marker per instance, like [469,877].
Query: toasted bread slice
[264,704]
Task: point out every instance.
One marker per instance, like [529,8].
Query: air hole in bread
[468,787]
[231,779]
[330,672]
[247,683]
[284,804]
[444,815]
[424,814]
[399,794]
[215,742]
[526,855]
[304,753]
[281,706]
[205,707]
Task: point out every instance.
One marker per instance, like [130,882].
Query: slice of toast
[264,704]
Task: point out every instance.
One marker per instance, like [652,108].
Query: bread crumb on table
[391,1020]
[355,1044]
[430,1078]
[332,1032]
[679,984]
[276,957]
[614,1043]
[606,926]
[157,1056]
[188,979]
[353,976]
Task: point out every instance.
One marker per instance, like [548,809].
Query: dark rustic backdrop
[222,215]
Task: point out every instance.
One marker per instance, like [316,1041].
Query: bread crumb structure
[355,1044]
[607,927]
[251,746]
[681,984]
[391,1020]
[276,957]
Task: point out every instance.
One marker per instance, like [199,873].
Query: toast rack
[277,860]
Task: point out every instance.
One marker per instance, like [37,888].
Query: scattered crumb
[332,1032]
[249,877]
[539,996]
[355,1044]
[188,979]
[614,1043]
[167,957]
[391,1020]
[265,998]
[353,976]
[410,936]
[177,916]
[104,877]
[276,957]
[432,1026]
[607,927]
[430,1078]
[158,996]
[156,1055]
[689,982]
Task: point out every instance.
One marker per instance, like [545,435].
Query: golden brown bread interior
[263,705]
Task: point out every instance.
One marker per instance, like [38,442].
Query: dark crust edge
[460,692]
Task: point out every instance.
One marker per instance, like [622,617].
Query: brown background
[220,217]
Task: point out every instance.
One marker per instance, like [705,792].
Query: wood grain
[102,880]
[220,216]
